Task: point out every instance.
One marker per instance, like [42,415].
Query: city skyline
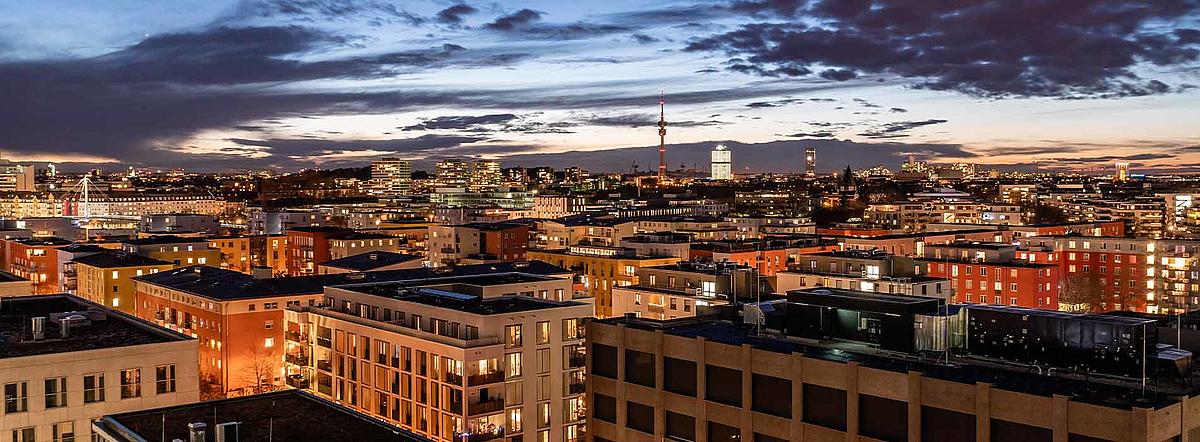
[309,83]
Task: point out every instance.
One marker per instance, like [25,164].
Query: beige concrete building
[483,357]
[87,361]
[709,380]
[600,269]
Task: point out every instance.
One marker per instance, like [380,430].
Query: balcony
[575,388]
[297,381]
[576,361]
[326,366]
[451,378]
[480,436]
[324,342]
[485,407]
[483,379]
[301,360]
[295,336]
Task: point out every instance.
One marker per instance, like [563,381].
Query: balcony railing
[326,366]
[485,407]
[576,361]
[482,436]
[482,379]
[451,378]
[301,360]
[324,342]
[297,381]
[295,336]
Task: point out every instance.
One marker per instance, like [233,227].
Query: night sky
[223,85]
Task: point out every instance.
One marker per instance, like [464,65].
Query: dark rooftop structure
[114,259]
[163,239]
[84,248]
[9,277]
[98,328]
[43,241]
[289,415]
[222,284]
[449,294]
[503,225]
[369,261]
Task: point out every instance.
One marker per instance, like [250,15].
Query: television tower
[662,137]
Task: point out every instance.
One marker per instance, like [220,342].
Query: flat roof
[164,239]
[370,260]
[115,259]
[288,415]
[1094,390]
[436,296]
[226,285]
[114,330]
[9,277]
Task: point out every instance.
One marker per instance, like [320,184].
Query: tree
[1046,214]
[259,370]
[211,388]
[1081,294]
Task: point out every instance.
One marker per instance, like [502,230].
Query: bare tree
[211,388]
[1081,294]
[259,369]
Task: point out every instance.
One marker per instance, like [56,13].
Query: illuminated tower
[810,162]
[662,137]
[721,164]
[1122,174]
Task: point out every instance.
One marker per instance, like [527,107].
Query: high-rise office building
[485,175]
[810,162]
[1122,174]
[453,173]
[391,177]
[722,163]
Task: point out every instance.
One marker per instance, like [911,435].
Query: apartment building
[68,281]
[1117,273]
[282,415]
[684,289]
[480,357]
[477,243]
[391,177]
[717,379]
[245,253]
[767,257]
[66,362]
[136,205]
[238,318]
[179,222]
[914,216]
[177,250]
[546,206]
[34,259]
[599,269]
[990,273]
[863,270]
[913,244]
[107,278]
[309,246]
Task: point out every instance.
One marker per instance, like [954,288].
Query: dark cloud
[305,146]
[815,134]
[455,14]
[897,110]
[311,10]
[782,8]
[635,120]
[898,129]
[462,122]
[991,48]
[644,39]
[516,20]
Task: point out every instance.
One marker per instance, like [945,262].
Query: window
[723,385]
[639,417]
[543,332]
[771,395]
[679,376]
[24,434]
[881,418]
[681,427]
[131,383]
[268,342]
[64,431]
[604,361]
[514,364]
[825,406]
[512,336]
[16,397]
[639,368]
[56,392]
[93,388]
[573,329]
[605,408]
[164,379]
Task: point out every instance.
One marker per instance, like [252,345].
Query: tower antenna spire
[662,137]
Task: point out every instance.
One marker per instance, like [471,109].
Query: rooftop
[1098,391]
[224,285]
[445,294]
[164,239]
[112,259]
[9,277]
[283,415]
[42,241]
[107,328]
[369,260]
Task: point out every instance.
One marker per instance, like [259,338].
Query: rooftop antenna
[662,137]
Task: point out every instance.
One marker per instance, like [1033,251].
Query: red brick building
[34,259]
[1015,283]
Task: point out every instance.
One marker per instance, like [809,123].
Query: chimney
[64,327]
[196,432]
[39,328]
